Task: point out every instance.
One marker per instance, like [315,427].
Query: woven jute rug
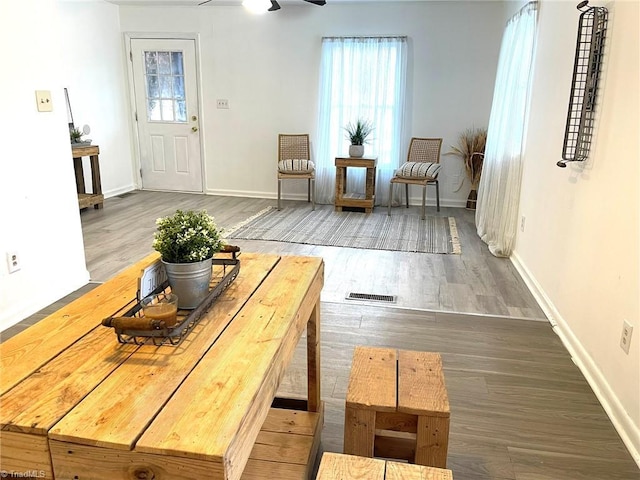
[377,231]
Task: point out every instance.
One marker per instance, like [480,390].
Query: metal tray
[225,271]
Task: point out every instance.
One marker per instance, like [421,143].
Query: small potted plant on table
[187,241]
[357,134]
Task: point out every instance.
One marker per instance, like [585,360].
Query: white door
[168,121]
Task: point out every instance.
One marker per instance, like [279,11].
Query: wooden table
[78,405]
[344,199]
[95,198]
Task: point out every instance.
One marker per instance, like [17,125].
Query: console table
[357,200]
[95,198]
[76,404]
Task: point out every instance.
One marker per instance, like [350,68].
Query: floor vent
[124,195]
[370,297]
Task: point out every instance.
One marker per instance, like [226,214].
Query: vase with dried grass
[470,149]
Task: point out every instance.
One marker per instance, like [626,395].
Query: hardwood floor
[520,408]
[473,282]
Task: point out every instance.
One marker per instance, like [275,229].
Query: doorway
[167,117]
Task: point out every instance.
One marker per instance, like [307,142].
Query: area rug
[377,231]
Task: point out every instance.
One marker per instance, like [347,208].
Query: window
[164,77]
[360,78]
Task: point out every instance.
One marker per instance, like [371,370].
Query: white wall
[580,247]
[40,217]
[67,44]
[268,67]
[94,72]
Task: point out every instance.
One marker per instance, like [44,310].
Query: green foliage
[187,237]
[357,134]
[75,135]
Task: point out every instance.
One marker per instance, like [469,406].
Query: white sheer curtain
[360,77]
[499,190]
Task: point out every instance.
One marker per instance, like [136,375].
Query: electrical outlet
[522,220]
[13,261]
[222,103]
[625,338]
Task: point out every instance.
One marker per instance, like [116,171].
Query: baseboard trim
[622,422]
[119,191]
[252,194]
[444,202]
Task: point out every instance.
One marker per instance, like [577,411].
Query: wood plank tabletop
[203,401]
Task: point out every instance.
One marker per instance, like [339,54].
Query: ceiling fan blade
[317,2]
[274,6]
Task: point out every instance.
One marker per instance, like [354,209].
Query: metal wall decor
[592,28]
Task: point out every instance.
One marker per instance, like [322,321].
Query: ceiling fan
[276,6]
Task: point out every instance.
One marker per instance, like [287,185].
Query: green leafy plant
[470,149]
[186,237]
[75,135]
[357,133]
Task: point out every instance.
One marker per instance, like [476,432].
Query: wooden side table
[357,200]
[95,198]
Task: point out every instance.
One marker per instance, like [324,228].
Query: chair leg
[406,193]
[390,197]
[279,191]
[424,200]
[308,189]
[438,195]
[312,193]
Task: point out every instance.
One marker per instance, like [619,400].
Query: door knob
[194,118]
[194,129]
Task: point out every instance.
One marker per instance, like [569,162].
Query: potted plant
[75,135]
[357,134]
[470,150]
[187,241]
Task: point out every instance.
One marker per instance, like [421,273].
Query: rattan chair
[294,162]
[421,168]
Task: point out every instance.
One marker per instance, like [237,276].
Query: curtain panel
[360,78]
[499,190]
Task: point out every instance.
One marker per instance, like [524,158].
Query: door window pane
[165,86]
[178,87]
[176,63]
[181,111]
[152,86]
[167,110]
[151,62]
[163,63]
[153,110]
[164,72]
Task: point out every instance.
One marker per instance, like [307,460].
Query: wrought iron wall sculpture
[592,28]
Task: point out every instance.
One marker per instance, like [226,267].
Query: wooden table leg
[77,167]
[313,359]
[340,187]
[96,184]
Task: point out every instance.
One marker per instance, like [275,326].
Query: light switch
[43,100]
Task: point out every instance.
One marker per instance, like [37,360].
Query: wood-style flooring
[473,282]
[520,408]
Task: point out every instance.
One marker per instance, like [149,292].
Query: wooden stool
[397,406]
[346,467]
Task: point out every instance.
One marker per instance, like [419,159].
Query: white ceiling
[213,3]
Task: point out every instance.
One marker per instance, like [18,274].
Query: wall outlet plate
[13,262]
[625,338]
[43,101]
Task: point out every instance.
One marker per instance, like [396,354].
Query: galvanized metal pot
[189,281]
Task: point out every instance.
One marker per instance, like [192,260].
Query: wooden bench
[336,466]
[397,406]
